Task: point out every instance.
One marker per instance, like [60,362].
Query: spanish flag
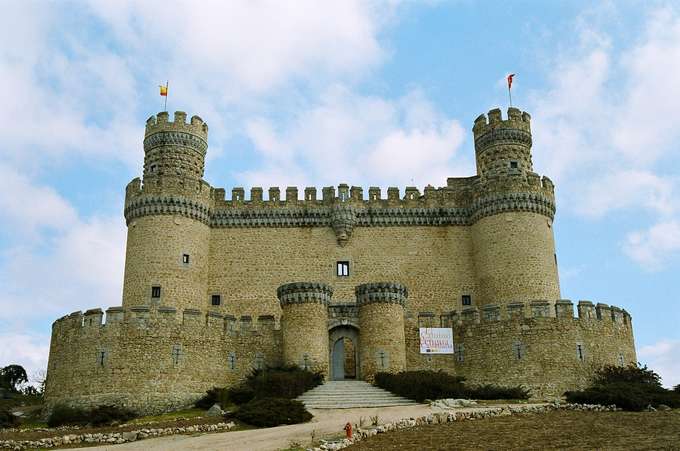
[164,90]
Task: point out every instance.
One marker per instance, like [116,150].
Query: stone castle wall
[153,359]
[539,345]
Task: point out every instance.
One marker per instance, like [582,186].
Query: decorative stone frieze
[381,292]
[304,292]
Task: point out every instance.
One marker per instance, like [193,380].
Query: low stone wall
[451,417]
[112,438]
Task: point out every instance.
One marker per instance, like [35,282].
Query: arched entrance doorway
[344,353]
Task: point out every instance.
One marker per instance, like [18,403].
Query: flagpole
[167,83]
[509,95]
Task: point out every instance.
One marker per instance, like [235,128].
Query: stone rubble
[450,417]
[111,437]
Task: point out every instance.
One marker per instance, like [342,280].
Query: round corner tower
[167,214]
[512,211]
[382,347]
[304,324]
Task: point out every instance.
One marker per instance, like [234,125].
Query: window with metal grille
[343,269]
[185,259]
[467,299]
[155,292]
[215,299]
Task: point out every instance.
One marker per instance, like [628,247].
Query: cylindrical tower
[382,346]
[304,324]
[512,213]
[168,217]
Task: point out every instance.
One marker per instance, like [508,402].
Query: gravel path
[325,423]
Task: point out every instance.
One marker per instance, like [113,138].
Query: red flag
[510,80]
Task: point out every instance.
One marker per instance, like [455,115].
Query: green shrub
[106,415]
[496,392]
[282,382]
[422,385]
[240,394]
[213,396]
[65,415]
[676,389]
[268,412]
[99,416]
[629,388]
[7,419]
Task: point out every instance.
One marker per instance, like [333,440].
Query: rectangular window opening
[579,352]
[216,299]
[185,259]
[155,292]
[514,165]
[343,269]
[467,299]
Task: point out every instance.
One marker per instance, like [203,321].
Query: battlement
[163,317]
[160,123]
[541,310]
[516,119]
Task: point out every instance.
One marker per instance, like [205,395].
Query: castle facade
[337,281]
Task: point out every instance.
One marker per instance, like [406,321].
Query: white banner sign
[436,340]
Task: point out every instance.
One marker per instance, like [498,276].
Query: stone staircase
[350,394]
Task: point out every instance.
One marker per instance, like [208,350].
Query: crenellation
[374,194]
[238,196]
[393,194]
[256,195]
[310,194]
[540,309]
[356,193]
[274,195]
[564,308]
[292,195]
[515,310]
[603,312]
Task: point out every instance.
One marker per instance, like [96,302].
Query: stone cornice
[176,138]
[381,292]
[502,136]
[345,219]
[304,293]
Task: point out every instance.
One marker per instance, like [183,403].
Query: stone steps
[350,394]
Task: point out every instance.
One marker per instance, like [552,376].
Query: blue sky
[312,93]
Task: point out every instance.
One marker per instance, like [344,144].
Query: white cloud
[29,351]
[652,247]
[604,130]
[361,140]
[664,358]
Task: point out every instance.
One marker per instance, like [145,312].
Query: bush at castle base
[99,416]
[7,419]
[629,388]
[422,385]
[268,412]
[282,382]
[286,382]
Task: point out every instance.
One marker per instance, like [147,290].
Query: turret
[513,243]
[168,217]
[304,324]
[175,149]
[381,321]
[503,146]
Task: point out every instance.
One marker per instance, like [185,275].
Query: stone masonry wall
[153,360]
[305,336]
[381,346]
[514,258]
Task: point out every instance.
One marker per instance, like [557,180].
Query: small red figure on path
[348,430]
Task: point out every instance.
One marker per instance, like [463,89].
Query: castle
[339,283]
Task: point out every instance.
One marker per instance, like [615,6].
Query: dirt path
[325,423]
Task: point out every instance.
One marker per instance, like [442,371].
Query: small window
[579,352]
[176,354]
[622,361]
[343,269]
[518,350]
[231,360]
[514,165]
[185,259]
[153,168]
[101,357]
[467,299]
[460,352]
[215,299]
[155,292]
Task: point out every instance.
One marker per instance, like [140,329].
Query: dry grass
[554,430]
